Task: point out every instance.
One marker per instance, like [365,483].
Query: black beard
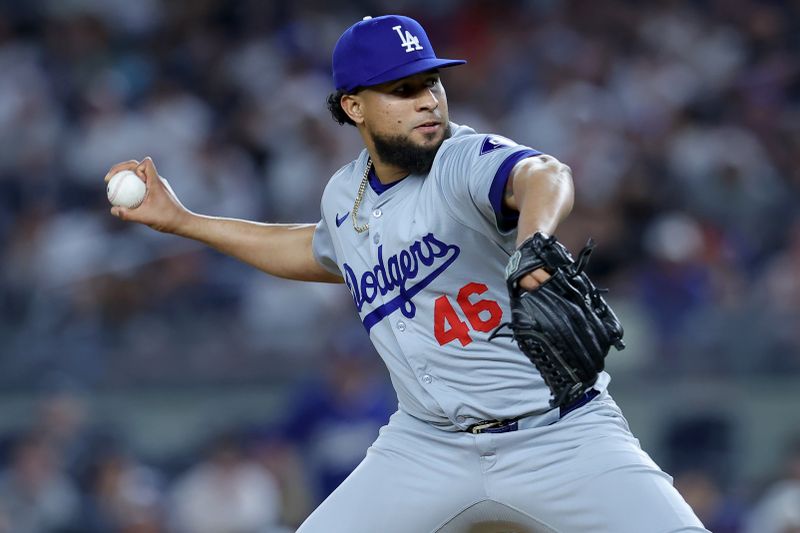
[399,152]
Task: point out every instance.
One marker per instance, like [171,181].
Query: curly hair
[335,107]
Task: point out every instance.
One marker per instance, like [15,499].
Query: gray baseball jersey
[427,280]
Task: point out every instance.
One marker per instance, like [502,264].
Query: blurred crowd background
[150,385]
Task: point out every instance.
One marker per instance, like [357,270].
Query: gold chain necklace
[359,197]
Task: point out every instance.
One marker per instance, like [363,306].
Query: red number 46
[483,315]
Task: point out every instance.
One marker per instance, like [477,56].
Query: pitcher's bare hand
[161,209]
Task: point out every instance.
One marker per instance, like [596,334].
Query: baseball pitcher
[493,335]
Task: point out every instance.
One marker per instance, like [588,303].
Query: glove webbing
[557,374]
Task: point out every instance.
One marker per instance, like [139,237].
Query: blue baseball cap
[381,49]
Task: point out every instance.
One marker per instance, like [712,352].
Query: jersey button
[377,213]
[376,239]
[427,379]
[401,325]
[461,419]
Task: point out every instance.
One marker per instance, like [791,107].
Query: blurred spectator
[35,495]
[718,511]
[778,511]
[780,296]
[673,282]
[122,496]
[226,492]
[700,452]
[288,464]
[62,420]
[335,418]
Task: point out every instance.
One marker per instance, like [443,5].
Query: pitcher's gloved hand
[565,326]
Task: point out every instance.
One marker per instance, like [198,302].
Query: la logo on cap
[409,41]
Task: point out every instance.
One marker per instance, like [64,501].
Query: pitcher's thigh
[391,493]
[588,473]
[627,492]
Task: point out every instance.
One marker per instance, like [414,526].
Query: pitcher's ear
[353,106]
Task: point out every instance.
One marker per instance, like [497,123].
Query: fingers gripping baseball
[160,209]
[119,167]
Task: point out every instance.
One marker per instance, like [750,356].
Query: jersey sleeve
[322,246]
[325,243]
[475,170]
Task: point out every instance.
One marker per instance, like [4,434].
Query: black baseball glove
[565,327]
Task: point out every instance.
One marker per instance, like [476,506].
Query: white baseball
[126,189]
